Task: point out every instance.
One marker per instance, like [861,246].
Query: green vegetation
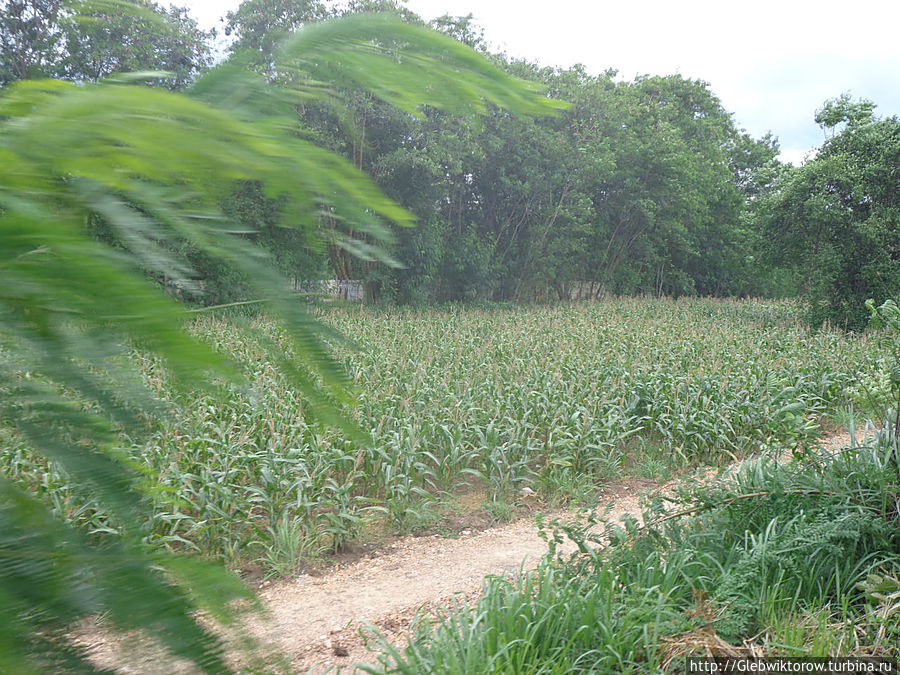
[147,438]
[797,559]
[87,40]
[555,398]
[645,186]
[835,220]
[106,189]
[777,558]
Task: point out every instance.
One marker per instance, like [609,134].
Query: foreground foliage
[103,188]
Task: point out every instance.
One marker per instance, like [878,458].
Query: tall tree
[357,124]
[836,219]
[640,187]
[657,171]
[132,36]
[87,41]
[258,27]
[30,39]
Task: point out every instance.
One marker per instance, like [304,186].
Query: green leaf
[102,189]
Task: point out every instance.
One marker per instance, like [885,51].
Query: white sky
[771,62]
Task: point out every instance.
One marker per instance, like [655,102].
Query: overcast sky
[771,62]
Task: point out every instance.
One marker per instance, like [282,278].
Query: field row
[555,398]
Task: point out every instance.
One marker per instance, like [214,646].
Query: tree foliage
[634,189]
[87,40]
[29,38]
[105,38]
[640,187]
[102,189]
[260,26]
[836,219]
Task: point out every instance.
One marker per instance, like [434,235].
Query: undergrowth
[777,558]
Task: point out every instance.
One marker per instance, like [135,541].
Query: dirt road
[315,621]
[318,619]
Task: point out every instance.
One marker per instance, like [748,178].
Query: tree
[259,27]
[133,36]
[150,165]
[639,187]
[463,29]
[844,110]
[836,219]
[29,38]
[87,41]
[655,163]
[353,125]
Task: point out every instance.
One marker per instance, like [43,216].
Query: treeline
[637,187]
[643,186]
[634,189]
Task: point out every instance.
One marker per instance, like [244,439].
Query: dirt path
[315,621]
[318,619]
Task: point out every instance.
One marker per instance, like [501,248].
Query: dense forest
[646,186]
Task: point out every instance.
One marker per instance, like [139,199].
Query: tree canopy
[836,219]
[83,40]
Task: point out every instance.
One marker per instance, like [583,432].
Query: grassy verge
[792,559]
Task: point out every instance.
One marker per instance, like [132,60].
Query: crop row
[556,398]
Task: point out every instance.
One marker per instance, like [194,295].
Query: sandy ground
[315,623]
[318,620]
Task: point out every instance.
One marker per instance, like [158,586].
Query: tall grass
[797,559]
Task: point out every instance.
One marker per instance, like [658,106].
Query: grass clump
[782,558]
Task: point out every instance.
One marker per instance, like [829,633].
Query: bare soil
[319,620]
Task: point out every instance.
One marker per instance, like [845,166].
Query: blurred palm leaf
[149,168]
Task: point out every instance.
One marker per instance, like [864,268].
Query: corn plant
[559,399]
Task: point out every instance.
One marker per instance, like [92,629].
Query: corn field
[558,399]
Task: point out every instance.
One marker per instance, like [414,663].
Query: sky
[772,63]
